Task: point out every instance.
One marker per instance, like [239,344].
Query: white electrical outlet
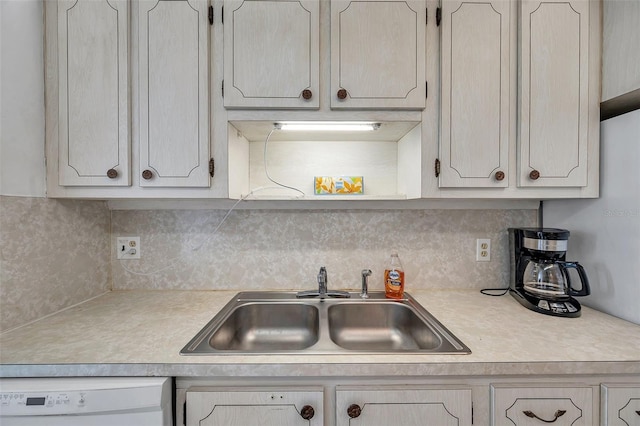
[483,250]
[128,247]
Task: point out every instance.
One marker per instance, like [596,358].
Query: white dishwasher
[86,401]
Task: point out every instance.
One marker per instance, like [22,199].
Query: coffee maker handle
[585,290]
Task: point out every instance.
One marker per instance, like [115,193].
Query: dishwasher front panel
[144,401]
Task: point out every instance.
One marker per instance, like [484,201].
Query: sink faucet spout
[322,282]
[364,294]
[323,291]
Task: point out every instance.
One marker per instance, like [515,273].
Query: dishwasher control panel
[49,403]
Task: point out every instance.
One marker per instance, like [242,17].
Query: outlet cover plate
[128,248]
[483,250]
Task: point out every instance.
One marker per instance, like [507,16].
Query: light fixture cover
[329,126]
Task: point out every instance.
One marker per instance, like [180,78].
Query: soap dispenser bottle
[394,278]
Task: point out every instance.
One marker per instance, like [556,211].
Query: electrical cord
[266,168]
[486,291]
[174,261]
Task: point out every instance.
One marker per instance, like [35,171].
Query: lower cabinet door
[253,406]
[406,406]
[523,406]
[620,405]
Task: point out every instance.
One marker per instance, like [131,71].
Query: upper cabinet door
[554,93]
[378,54]
[174,93]
[477,96]
[271,54]
[93,84]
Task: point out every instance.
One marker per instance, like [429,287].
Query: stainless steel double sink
[280,323]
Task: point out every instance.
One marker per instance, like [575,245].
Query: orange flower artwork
[325,185]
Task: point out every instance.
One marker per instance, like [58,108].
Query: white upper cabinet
[476,93]
[93,98]
[271,53]
[378,54]
[539,58]
[554,93]
[174,93]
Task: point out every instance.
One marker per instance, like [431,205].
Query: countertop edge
[325,369]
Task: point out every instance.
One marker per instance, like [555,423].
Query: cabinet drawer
[406,406]
[523,406]
[620,405]
[290,406]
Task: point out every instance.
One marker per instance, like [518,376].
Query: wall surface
[280,249]
[22,170]
[53,254]
[621,47]
[605,232]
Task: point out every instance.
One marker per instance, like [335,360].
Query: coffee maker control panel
[557,307]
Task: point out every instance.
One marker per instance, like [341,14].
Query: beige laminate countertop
[140,333]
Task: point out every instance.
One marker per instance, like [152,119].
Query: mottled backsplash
[54,253]
[284,249]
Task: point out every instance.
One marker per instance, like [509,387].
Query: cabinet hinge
[212,167]
[438,16]
[222,15]
[437,167]
[472,413]
[222,88]
[184,413]
[426,89]
[210,15]
[426,16]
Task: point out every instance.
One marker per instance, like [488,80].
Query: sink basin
[278,322]
[380,327]
[268,326]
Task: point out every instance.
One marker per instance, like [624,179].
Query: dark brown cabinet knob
[534,175]
[307,94]
[112,173]
[342,94]
[307,412]
[354,411]
[499,176]
[147,174]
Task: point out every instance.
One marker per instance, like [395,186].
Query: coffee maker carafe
[540,279]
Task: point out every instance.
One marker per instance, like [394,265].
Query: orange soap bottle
[394,278]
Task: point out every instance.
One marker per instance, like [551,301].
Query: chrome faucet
[323,291]
[322,281]
[365,284]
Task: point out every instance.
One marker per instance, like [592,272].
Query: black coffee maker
[539,272]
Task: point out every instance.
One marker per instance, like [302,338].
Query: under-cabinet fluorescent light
[328,126]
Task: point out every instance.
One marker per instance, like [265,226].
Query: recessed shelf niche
[389,159]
